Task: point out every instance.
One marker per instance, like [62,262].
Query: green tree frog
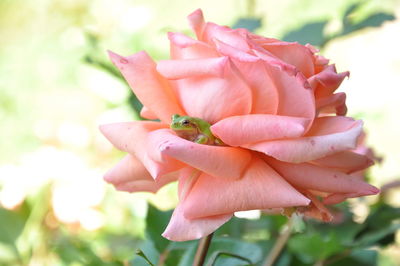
[194,129]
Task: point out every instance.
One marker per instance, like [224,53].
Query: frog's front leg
[201,139]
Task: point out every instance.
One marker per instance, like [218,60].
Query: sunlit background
[57,86]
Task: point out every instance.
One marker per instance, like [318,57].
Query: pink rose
[265,99]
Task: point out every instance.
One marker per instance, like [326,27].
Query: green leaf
[142,255]
[103,65]
[151,253]
[176,251]
[371,238]
[375,20]
[187,258]
[247,250]
[248,23]
[156,222]
[12,226]
[312,33]
[356,257]
[349,11]
[382,215]
[250,251]
[314,247]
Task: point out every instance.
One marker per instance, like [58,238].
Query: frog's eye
[185,122]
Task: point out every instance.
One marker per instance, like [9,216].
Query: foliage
[343,243]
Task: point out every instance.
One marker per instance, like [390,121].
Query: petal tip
[198,13]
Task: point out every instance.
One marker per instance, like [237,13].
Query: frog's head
[183,124]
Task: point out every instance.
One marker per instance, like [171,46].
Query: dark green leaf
[375,20]
[382,215]
[219,254]
[12,225]
[103,65]
[151,253]
[371,238]
[247,250]
[142,255]
[310,33]
[248,23]
[156,222]
[314,247]
[349,11]
[134,103]
[187,258]
[356,257]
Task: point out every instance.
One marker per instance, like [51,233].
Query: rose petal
[294,54]
[139,70]
[233,37]
[182,229]
[239,130]
[130,175]
[220,161]
[295,96]
[212,98]
[337,198]
[184,47]
[327,81]
[346,161]
[146,113]
[335,103]
[234,53]
[196,21]
[308,176]
[259,188]
[132,137]
[265,94]
[328,135]
[178,69]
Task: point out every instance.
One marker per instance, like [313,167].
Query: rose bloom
[272,103]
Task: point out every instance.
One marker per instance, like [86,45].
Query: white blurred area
[76,188]
[373,90]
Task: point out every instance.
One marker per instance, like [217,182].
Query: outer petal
[328,135]
[259,188]
[150,87]
[232,37]
[346,161]
[212,98]
[196,21]
[130,175]
[308,176]
[146,113]
[178,69]
[337,198]
[182,229]
[239,130]
[184,47]
[220,161]
[132,137]
[327,81]
[294,54]
[336,103]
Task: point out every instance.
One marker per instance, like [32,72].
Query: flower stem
[279,244]
[202,249]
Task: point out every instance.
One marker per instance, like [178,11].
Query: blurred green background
[57,86]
